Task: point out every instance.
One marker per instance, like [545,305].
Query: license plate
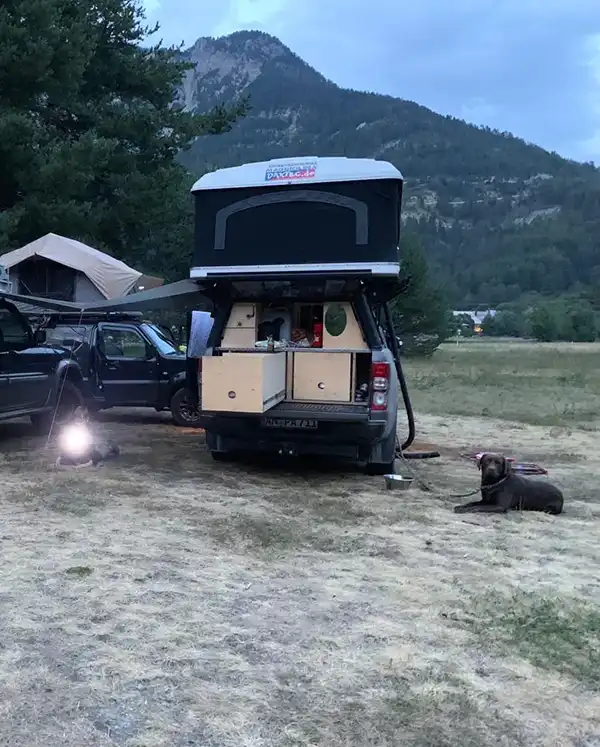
[295,424]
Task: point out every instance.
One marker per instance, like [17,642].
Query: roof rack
[88,316]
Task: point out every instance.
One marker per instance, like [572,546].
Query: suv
[125,362]
[299,371]
[37,380]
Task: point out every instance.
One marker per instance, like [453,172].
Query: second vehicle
[125,362]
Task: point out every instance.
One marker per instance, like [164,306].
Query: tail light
[380,384]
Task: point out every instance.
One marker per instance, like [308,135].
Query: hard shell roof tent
[307,215]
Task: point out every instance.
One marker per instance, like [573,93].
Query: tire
[223,456]
[70,398]
[382,460]
[219,455]
[183,414]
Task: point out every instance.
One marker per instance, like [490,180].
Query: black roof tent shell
[300,215]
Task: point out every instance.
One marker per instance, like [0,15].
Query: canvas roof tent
[308,214]
[110,276]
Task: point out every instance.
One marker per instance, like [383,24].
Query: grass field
[167,601]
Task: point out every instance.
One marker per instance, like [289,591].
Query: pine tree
[89,135]
[544,323]
[421,315]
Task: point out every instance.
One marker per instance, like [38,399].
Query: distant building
[476,316]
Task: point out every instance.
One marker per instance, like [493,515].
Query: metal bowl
[398,482]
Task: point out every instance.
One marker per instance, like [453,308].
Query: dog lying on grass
[80,447]
[502,490]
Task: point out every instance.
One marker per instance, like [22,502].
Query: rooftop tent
[110,276]
[298,215]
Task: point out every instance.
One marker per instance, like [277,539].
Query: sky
[530,67]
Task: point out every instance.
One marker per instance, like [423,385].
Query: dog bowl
[397,482]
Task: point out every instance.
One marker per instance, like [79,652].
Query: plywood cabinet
[243,382]
[351,336]
[322,377]
[241,328]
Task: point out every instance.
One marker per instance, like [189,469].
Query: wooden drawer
[242,315]
[322,377]
[239,337]
[243,382]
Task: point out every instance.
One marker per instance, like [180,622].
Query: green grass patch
[534,383]
[552,633]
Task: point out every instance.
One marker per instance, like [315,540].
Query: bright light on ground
[75,440]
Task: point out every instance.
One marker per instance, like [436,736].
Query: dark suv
[37,380]
[125,361]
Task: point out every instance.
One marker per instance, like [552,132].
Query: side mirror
[39,337]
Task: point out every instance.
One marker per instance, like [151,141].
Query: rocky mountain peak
[227,65]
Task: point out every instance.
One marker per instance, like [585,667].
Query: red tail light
[380,384]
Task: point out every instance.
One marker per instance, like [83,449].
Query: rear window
[13,331]
[67,335]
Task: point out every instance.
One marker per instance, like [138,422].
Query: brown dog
[502,490]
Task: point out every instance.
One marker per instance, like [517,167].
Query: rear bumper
[343,430]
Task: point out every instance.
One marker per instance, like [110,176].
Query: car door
[26,371]
[126,366]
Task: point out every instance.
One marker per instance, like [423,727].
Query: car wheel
[183,411]
[70,398]
[223,456]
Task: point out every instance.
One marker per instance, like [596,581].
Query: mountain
[498,217]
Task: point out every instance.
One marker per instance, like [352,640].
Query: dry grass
[164,600]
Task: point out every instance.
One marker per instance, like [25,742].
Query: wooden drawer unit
[243,382]
[241,328]
[351,336]
[322,377]
[242,315]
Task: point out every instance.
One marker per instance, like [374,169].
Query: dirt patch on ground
[168,601]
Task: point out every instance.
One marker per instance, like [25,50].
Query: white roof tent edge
[313,169]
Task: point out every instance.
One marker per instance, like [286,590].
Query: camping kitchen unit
[300,258]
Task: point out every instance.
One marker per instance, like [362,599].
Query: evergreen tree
[544,323]
[421,315]
[89,135]
[506,323]
[489,326]
[582,323]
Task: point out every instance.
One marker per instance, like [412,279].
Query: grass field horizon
[169,601]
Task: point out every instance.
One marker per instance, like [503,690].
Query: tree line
[568,319]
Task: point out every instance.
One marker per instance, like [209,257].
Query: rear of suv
[302,369]
[43,382]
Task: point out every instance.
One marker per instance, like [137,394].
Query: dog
[94,453]
[502,490]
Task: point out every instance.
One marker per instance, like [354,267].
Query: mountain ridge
[477,197]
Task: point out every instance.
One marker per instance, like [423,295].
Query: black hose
[405,396]
[420,454]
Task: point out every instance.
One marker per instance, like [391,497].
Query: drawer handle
[321,385]
[231,395]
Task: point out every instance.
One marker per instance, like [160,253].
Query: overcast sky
[531,67]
